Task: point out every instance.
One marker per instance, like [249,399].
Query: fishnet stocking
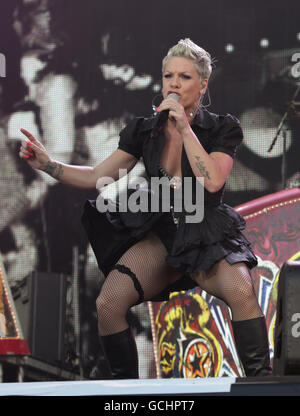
[232,284]
[146,260]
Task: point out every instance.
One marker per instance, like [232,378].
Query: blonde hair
[188,49]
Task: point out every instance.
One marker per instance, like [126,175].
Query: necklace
[175,183]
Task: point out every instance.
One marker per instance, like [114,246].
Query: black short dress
[191,247]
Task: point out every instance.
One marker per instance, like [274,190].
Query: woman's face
[181,76]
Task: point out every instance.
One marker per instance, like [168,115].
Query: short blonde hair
[188,49]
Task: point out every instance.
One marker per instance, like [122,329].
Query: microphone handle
[162,117]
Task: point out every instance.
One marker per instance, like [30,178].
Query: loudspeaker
[40,300]
[287,328]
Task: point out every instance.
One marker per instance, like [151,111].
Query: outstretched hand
[33,151]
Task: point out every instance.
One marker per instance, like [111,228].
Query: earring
[208,97]
[201,105]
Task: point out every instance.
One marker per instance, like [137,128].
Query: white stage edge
[119,387]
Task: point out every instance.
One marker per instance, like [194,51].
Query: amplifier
[40,301]
[287,328]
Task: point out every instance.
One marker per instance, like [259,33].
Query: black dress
[191,247]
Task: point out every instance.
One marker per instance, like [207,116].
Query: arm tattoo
[54,169]
[201,167]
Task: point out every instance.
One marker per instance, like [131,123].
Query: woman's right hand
[33,152]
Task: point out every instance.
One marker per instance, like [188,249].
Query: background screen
[76,71]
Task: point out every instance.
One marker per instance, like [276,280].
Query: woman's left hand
[176,113]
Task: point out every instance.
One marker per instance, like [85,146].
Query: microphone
[163,116]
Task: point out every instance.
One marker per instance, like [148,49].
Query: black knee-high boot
[121,352]
[251,340]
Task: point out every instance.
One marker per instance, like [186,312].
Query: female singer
[144,255]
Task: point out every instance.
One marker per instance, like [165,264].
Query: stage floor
[225,386]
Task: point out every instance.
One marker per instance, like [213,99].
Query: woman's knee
[241,291]
[242,294]
[111,306]
[105,305]
[117,295]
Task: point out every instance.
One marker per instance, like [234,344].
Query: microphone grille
[174,96]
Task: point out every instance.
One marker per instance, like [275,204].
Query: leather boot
[101,369]
[252,344]
[121,352]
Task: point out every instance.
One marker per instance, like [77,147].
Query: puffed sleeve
[130,140]
[228,137]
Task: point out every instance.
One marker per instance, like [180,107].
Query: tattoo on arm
[54,169]
[200,165]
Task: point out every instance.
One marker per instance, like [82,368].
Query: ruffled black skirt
[190,247]
[220,235]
